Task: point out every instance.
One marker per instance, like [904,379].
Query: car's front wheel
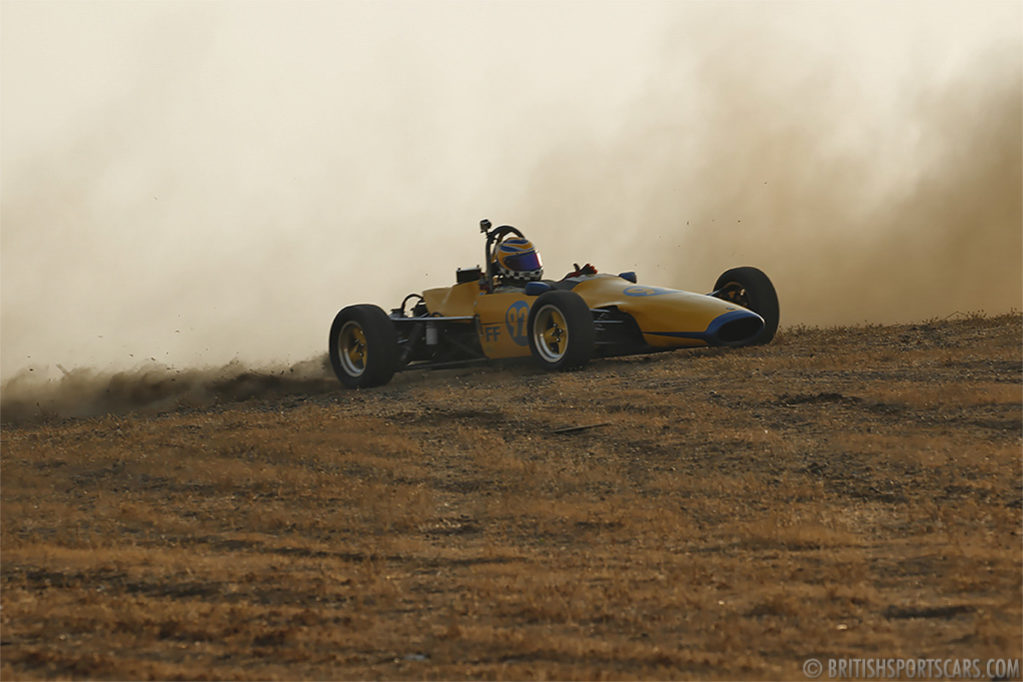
[751,288]
[363,346]
[561,334]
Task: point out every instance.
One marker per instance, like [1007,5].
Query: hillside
[844,492]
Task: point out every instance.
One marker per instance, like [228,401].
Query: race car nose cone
[734,328]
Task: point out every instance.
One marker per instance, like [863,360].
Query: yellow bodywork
[500,317]
[502,321]
[456,301]
[668,318]
[662,314]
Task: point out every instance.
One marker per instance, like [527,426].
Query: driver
[517,262]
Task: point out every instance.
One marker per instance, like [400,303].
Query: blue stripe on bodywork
[680,335]
[710,333]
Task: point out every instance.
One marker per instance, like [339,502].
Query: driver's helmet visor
[523,262]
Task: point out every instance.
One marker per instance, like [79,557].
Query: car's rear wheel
[363,346]
[561,334]
[751,288]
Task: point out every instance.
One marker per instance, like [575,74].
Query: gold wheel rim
[351,345]
[550,333]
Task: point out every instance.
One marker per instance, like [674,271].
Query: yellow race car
[507,310]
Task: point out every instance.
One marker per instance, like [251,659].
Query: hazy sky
[198,181]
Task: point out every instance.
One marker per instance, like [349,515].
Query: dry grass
[843,492]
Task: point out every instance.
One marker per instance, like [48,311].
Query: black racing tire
[363,346]
[751,288]
[561,333]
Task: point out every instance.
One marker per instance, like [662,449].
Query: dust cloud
[874,180]
[196,186]
[154,388]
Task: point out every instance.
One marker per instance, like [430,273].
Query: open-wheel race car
[507,310]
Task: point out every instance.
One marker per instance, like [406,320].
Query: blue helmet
[518,260]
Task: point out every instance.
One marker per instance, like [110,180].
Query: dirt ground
[841,493]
